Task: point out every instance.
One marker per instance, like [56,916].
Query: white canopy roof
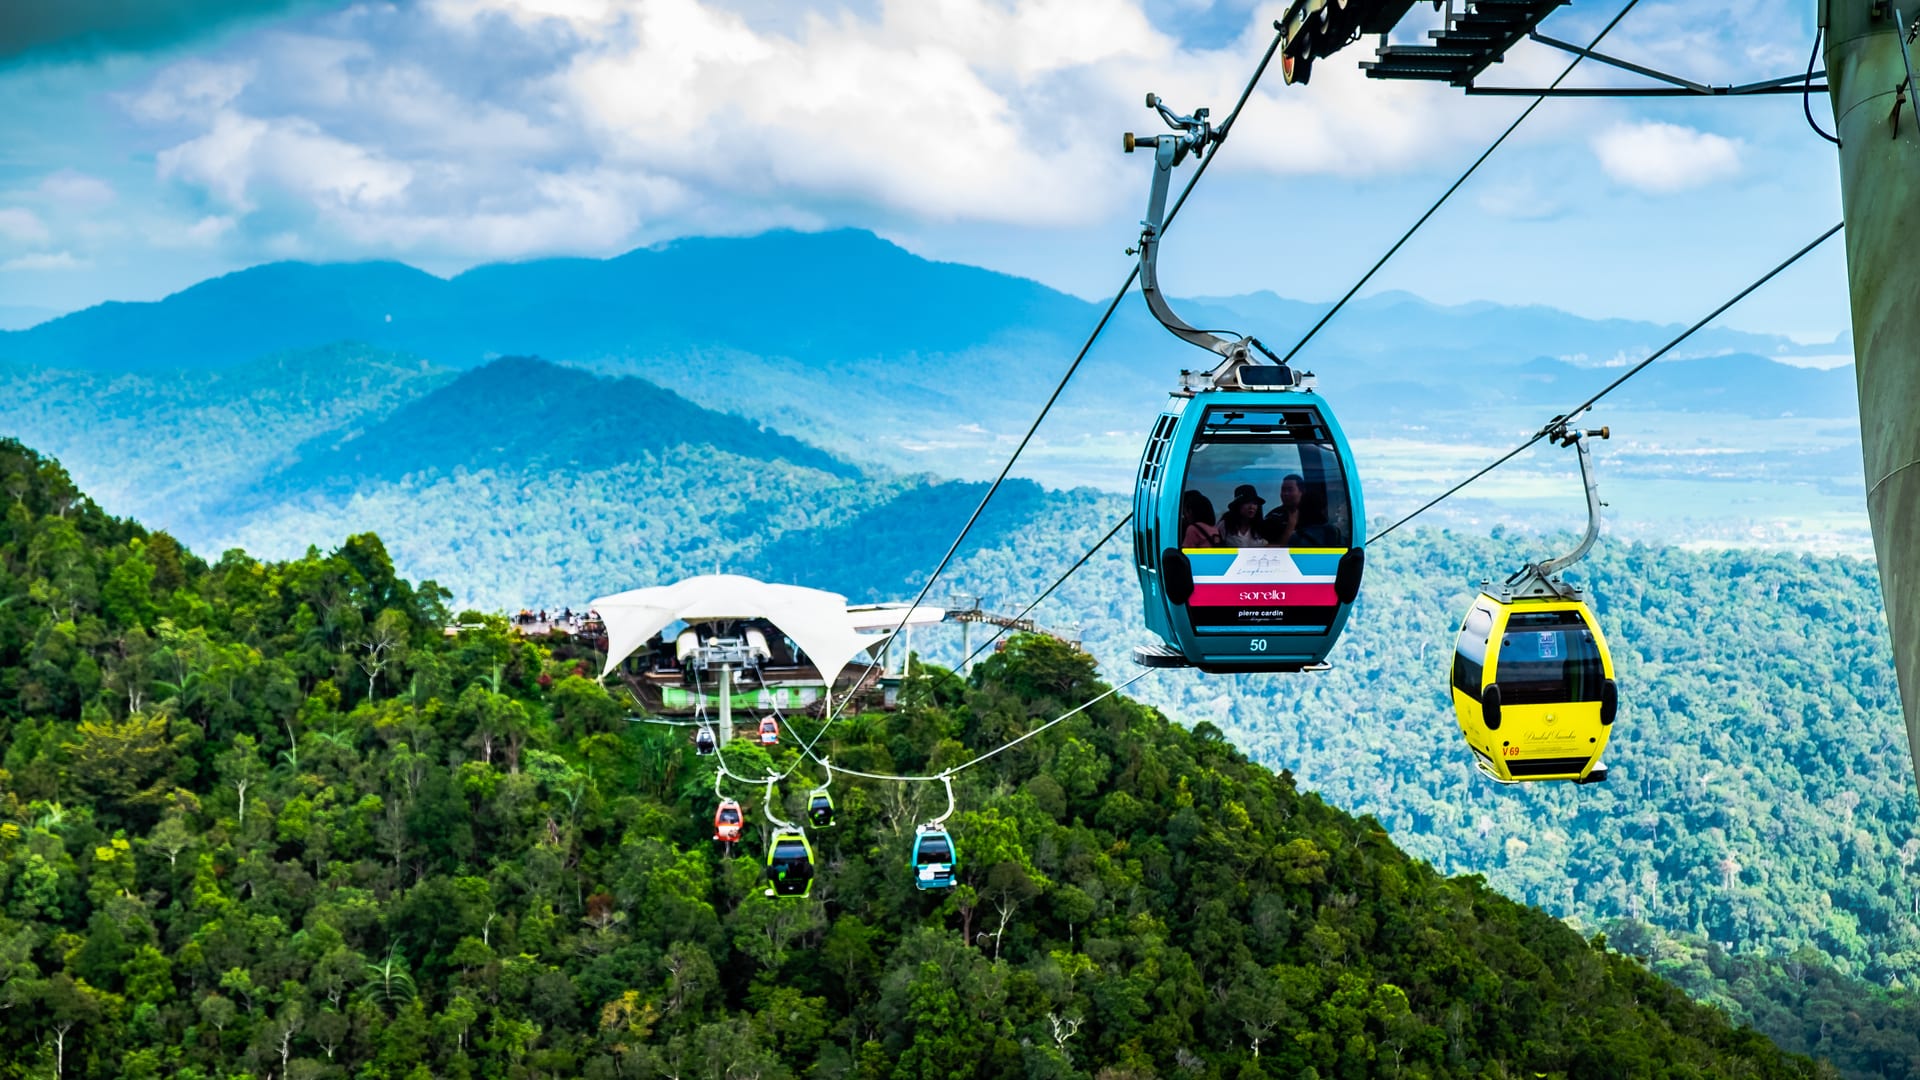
[885,617]
[817,621]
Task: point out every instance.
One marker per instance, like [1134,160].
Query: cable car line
[1516,451]
[1057,582]
[790,856]
[1559,423]
[1448,194]
[1220,137]
[1008,745]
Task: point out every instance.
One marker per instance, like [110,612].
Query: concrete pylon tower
[1874,114]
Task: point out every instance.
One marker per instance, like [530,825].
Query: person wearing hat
[1242,527]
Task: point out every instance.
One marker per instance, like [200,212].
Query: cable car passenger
[1242,525]
[1197,528]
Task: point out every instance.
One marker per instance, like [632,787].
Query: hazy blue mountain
[168,443]
[228,320]
[898,363]
[834,296]
[815,296]
[528,414]
[900,540]
[1400,331]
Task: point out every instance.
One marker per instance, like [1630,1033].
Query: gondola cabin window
[1548,657]
[934,849]
[1264,477]
[1470,651]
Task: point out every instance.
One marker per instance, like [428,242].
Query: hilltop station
[710,646]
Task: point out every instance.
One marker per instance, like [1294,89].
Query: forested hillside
[180,442]
[1761,790]
[266,819]
[1710,828]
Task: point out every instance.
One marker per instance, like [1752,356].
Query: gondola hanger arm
[1190,135]
[1577,438]
[773,815]
[946,781]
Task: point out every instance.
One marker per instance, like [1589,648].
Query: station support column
[1874,117]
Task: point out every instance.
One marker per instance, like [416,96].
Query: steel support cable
[1008,745]
[1806,89]
[1455,186]
[1133,275]
[806,748]
[1636,369]
[1057,582]
[1226,128]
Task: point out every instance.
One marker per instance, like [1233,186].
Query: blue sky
[137,159]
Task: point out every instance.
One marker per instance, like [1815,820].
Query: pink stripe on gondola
[1291,594]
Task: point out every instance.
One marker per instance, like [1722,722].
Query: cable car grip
[946,780]
[1191,134]
[773,816]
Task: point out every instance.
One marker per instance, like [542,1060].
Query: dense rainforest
[272,820]
[1763,805]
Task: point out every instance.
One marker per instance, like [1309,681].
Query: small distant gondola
[934,858]
[790,864]
[820,809]
[728,820]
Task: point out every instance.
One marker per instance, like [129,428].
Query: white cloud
[1664,158]
[206,232]
[293,154]
[76,190]
[938,109]
[488,128]
[62,260]
[23,226]
[191,90]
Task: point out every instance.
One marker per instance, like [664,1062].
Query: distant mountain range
[814,297]
[524,414]
[855,344]
[830,352]
[829,297]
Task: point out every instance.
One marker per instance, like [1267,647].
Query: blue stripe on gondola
[1208,564]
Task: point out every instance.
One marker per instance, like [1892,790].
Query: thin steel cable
[1057,582]
[1716,313]
[1636,369]
[1448,194]
[1806,90]
[1132,275]
[1005,746]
